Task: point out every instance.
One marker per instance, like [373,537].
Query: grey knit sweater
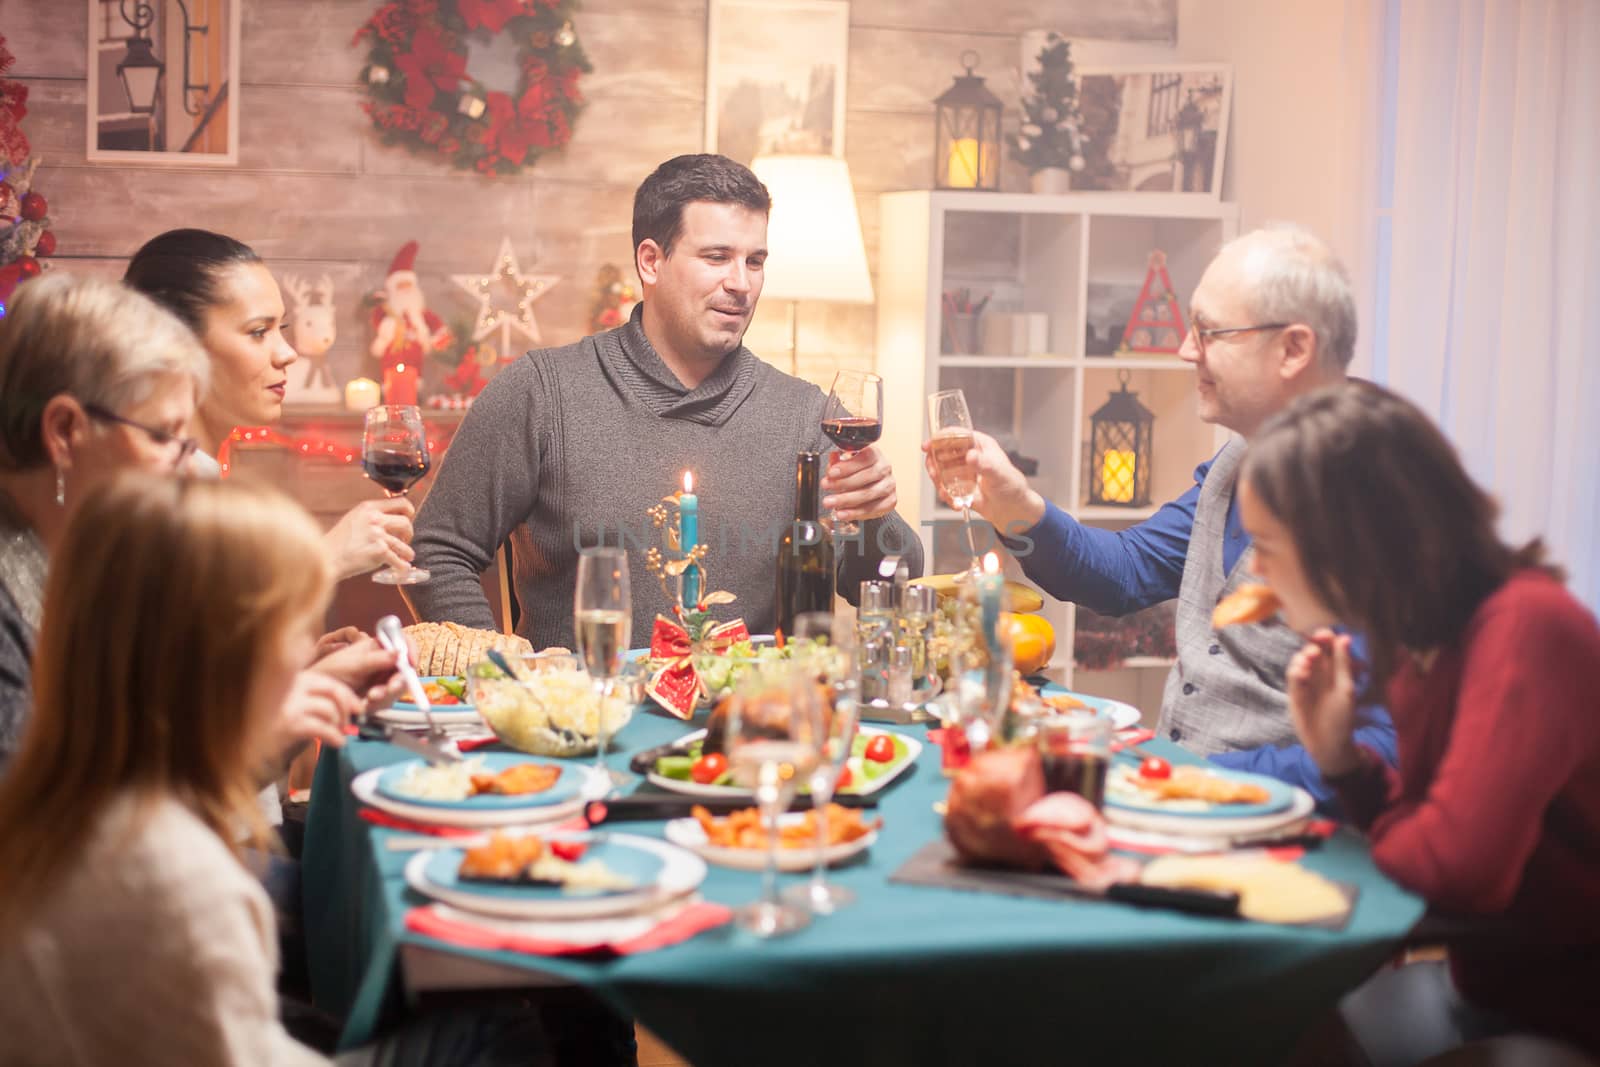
[570,446]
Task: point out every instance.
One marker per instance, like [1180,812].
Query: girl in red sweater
[1363,518]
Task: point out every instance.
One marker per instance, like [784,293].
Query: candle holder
[680,644]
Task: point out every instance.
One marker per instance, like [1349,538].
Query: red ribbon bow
[676,685]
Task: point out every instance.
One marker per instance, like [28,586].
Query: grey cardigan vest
[1226,691]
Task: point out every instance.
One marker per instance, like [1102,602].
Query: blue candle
[688,537]
[991,589]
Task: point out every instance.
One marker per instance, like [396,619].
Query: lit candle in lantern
[688,537]
[1116,475]
[361,394]
[963,164]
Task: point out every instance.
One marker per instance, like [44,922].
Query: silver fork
[391,637]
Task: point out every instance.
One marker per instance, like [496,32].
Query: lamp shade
[814,246]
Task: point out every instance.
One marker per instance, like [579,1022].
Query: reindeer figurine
[312,330]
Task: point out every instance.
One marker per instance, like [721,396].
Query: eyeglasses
[1202,336]
[161,438]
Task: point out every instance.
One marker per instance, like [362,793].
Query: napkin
[622,935]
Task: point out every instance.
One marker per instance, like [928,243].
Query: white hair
[1293,276]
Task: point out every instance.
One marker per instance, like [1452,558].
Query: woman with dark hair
[224,293]
[1363,517]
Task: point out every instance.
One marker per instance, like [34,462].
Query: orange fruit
[1033,642]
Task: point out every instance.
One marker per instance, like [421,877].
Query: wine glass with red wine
[394,453]
[853,418]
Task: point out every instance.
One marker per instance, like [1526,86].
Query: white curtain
[1489,253]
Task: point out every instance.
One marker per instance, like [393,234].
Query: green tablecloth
[908,974]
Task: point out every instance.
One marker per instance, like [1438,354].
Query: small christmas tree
[24,219]
[1051,128]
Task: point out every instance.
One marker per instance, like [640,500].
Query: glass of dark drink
[1075,749]
[394,453]
[852,418]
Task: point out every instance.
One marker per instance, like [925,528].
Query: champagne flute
[602,610]
[394,453]
[852,418]
[950,427]
[773,741]
[827,649]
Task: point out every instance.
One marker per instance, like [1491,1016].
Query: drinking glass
[394,454]
[602,610]
[950,439]
[852,418]
[1075,751]
[826,647]
[774,742]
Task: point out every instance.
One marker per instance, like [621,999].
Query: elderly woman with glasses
[94,379]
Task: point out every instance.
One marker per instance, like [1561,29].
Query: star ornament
[505,297]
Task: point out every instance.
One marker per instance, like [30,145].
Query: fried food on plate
[1248,603]
[743,829]
[521,780]
[1197,783]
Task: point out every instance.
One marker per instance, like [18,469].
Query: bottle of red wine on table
[805,575]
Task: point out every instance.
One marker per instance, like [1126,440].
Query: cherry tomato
[709,768]
[880,749]
[1155,767]
[844,779]
[571,851]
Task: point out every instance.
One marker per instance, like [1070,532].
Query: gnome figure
[404,330]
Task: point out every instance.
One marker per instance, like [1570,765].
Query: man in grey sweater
[569,447]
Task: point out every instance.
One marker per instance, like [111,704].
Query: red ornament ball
[29,267]
[35,207]
[45,245]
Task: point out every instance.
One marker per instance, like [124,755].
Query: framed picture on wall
[164,81]
[1154,128]
[775,76]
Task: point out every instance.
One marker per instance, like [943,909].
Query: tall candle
[1116,475]
[991,588]
[962,168]
[688,537]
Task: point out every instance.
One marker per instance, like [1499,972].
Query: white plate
[682,874]
[1287,821]
[867,786]
[689,834]
[459,718]
[365,789]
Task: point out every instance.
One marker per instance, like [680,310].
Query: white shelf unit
[1037,254]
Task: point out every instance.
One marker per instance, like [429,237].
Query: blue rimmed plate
[565,789]
[1122,715]
[1123,795]
[438,709]
[661,870]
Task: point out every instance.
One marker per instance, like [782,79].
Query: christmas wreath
[421,94]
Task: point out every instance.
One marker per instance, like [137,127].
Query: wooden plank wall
[315,192]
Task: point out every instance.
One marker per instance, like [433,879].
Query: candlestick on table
[688,537]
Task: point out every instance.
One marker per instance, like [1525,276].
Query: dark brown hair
[1392,534]
[659,203]
[180,269]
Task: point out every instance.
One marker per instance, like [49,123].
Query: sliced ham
[999,815]
[986,798]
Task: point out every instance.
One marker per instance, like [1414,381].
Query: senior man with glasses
[1272,318]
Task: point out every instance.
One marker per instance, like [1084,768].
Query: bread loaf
[446,648]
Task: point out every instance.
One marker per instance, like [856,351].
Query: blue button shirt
[1116,572]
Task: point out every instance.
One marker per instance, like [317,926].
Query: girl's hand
[1322,702]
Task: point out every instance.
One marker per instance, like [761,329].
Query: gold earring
[61,488]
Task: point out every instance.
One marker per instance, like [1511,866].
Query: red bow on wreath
[430,67]
[490,14]
[675,685]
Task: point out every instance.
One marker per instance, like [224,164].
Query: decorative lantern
[1119,453]
[140,72]
[966,149]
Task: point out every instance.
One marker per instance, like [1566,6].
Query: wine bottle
[805,555]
